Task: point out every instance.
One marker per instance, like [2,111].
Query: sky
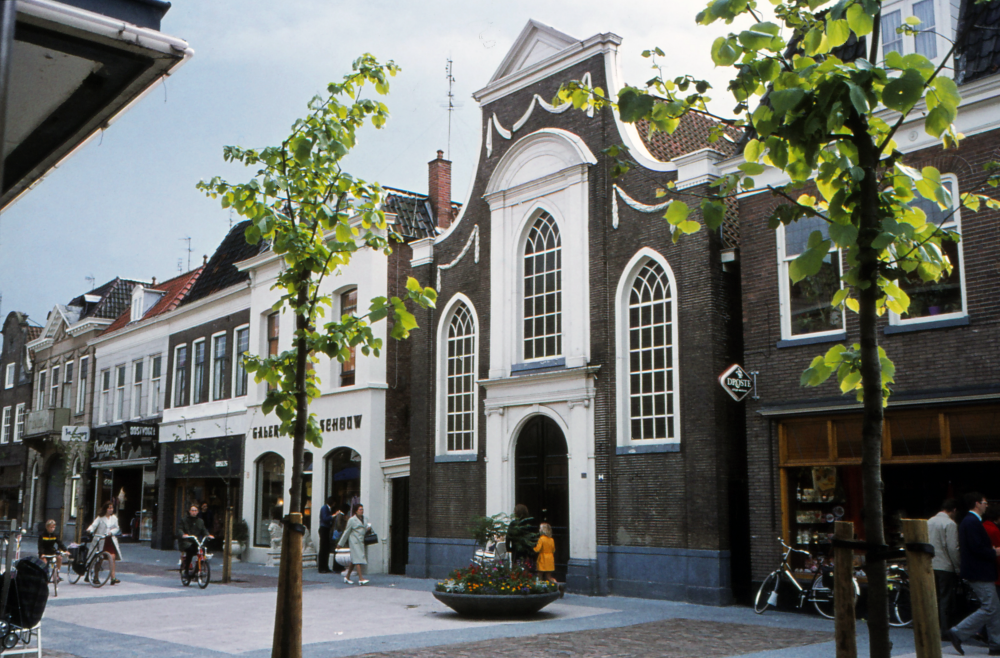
[124,204]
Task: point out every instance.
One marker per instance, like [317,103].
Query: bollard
[923,592]
[844,633]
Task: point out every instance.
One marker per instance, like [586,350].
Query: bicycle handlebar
[793,550]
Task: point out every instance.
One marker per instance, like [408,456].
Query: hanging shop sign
[341,424]
[76,434]
[736,382]
[128,444]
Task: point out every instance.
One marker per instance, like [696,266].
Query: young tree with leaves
[828,125]
[315,216]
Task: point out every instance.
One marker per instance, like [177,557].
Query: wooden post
[923,592]
[288,613]
[227,548]
[844,632]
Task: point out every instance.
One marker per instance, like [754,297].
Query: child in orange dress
[546,549]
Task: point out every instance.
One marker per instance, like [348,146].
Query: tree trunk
[288,614]
[871,382]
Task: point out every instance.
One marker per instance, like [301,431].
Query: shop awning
[141,461]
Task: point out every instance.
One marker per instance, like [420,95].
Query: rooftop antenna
[91,280]
[188,238]
[180,264]
[451,100]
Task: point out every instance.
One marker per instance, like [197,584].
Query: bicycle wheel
[900,610]
[822,597]
[54,579]
[71,575]
[767,595]
[185,576]
[100,570]
[204,574]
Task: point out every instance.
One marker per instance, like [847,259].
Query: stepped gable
[692,135]
[414,219]
[174,292]
[978,51]
[220,272]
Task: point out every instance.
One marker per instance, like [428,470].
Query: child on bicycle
[191,526]
[49,546]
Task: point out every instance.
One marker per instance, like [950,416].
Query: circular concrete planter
[496,605]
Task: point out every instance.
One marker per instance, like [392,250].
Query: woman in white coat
[106,525]
[354,537]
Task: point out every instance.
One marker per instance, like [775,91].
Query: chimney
[439,189]
[204,260]
[153,284]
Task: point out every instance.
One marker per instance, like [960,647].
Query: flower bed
[495,579]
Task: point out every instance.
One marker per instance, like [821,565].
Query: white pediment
[536,43]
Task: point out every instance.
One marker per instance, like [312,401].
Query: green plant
[241,531]
[496,579]
[485,529]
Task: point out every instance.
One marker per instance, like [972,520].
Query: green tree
[816,118]
[316,216]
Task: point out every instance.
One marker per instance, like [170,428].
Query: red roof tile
[175,290]
[691,135]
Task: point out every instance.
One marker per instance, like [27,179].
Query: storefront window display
[269,501]
[343,477]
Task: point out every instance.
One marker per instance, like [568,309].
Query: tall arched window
[269,502]
[651,368]
[461,376]
[543,290]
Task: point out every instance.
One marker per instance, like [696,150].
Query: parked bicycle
[200,569]
[95,563]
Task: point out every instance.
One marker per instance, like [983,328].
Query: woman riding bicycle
[106,525]
[191,526]
[49,546]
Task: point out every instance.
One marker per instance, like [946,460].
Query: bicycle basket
[79,559]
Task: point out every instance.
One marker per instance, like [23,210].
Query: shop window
[343,477]
[942,299]
[348,306]
[807,441]
[180,375]
[54,395]
[848,433]
[81,387]
[219,360]
[119,392]
[137,382]
[155,385]
[19,416]
[198,386]
[269,501]
[542,308]
[914,436]
[805,306]
[974,432]
[242,347]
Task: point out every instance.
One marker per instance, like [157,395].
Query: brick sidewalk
[671,638]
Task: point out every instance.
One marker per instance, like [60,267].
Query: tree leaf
[677,212]
[837,32]
[902,93]
[633,105]
[785,100]
[723,52]
[859,20]
[713,212]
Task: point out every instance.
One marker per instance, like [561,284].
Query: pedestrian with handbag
[354,537]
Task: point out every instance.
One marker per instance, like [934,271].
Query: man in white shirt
[942,531]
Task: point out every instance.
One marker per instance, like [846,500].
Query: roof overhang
[73,72]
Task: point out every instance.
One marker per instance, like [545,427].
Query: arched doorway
[541,481]
[56,484]
[343,477]
[269,500]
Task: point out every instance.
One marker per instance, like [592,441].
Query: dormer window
[143,299]
[933,21]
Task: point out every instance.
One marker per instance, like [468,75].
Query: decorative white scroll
[468,243]
[535,100]
[635,205]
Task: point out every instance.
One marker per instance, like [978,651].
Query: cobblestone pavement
[671,638]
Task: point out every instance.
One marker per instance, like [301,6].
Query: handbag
[370,537]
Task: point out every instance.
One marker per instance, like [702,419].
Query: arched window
[461,375]
[543,290]
[651,376]
[74,489]
[343,477]
[269,503]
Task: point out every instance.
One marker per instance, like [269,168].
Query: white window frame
[955,223]
[155,385]
[9,376]
[137,387]
[54,386]
[785,291]
[121,377]
[105,396]
[212,361]
[562,316]
[20,415]
[238,369]
[82,377]
[194,368]
[31,498]
[6,427]
[441,416]
[622,353]
[945,23]
[74,508]
[69,370]
[42,383]
[177,395]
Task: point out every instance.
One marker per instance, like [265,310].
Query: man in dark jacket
[191,526]
[325,530]
[979,567]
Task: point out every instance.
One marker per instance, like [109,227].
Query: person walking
[990,519]
[354,537]
[942,531]
[106,525]
[326,517]
[978,560]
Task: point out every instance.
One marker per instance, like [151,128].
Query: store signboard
[736,382]
[128,441]
[76,434]
[201,458]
